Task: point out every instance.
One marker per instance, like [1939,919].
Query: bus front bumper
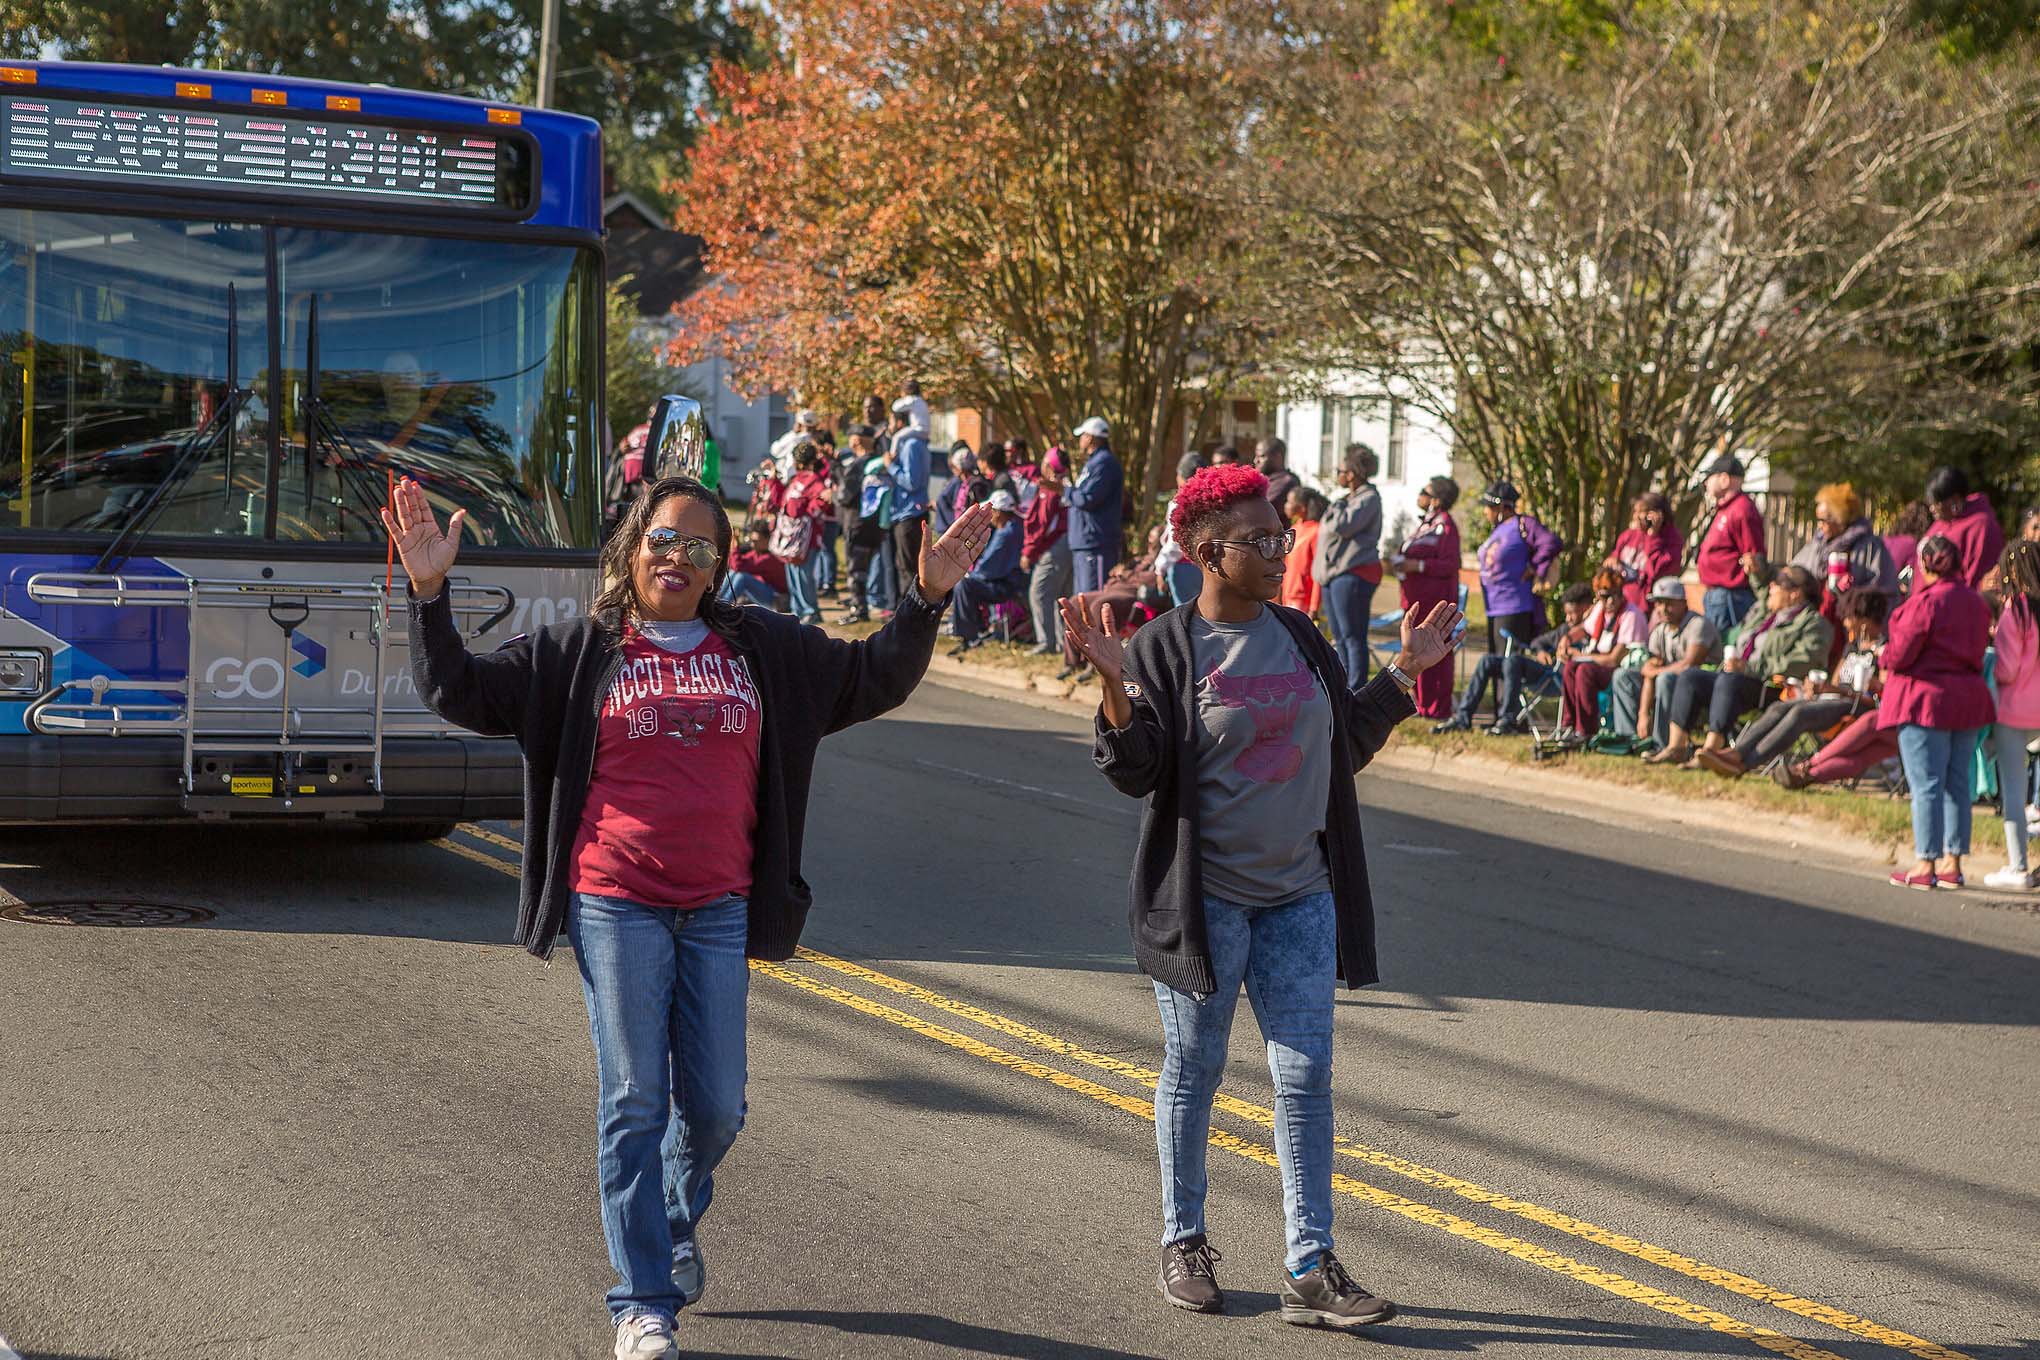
[47,780]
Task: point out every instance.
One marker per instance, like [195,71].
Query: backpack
[793,536]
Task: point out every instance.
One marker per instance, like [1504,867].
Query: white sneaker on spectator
[2032,820]
[645,1336]
[2009,879]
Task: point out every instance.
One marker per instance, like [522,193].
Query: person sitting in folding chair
[1519,671]
[1587,664]
[1681,639]
[1783,638]
[995,579]
[1821,704]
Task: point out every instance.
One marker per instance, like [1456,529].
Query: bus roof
[570,146]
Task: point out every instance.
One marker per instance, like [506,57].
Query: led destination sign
[104,145]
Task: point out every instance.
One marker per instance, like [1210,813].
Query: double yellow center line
[1142,1106]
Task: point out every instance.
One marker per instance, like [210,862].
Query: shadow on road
[965,1337]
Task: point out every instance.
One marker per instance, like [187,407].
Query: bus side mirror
[676,445]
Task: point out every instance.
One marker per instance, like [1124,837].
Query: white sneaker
[2009,879]
[645,1336]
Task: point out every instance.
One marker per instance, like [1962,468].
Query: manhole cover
[89,913]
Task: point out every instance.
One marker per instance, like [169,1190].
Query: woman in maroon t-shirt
[654,825]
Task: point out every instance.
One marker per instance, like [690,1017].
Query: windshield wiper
[197,445]
[322,428]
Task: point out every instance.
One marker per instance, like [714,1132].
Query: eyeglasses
[662,541]
[1271,547]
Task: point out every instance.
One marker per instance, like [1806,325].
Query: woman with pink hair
[1232,717]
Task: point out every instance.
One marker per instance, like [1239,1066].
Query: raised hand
[1094,632]
[947,560]
[1426,643]
[427,553]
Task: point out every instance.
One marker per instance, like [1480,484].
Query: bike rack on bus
[288,604]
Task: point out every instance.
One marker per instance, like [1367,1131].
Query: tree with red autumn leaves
[1005,202]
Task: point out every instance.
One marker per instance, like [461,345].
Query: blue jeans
[742,585]
[666,991]
[1186,582]
[1940,768]
[1285,957]
[2008,745]
[1725,606]
[801,591]
[825,569]
[1348,598]
[882,581]
[1090,567]
[974,595]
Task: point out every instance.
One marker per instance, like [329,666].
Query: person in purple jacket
[1935,695]
[1517,553]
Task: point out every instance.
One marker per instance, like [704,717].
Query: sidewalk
[1860,833]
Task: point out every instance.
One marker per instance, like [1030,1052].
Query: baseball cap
[805,417]
[1003,500]
[1668,588]
[1096,428]
[1499,493]
[1727,463]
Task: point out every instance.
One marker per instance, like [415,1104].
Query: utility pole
[548,53]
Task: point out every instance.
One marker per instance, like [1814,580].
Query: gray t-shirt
[1264,762]
[1671,644]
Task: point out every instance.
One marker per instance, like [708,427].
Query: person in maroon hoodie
[1965,519]
[1935,695]
[1648,550]
[1429,566]
[1045,551]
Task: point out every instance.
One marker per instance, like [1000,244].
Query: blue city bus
[233,308]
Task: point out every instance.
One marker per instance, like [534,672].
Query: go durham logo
[261,677]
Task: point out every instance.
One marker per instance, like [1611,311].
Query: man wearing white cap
[805,422]
[1097,508]
[996,577]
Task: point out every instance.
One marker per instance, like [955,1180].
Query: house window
[1394,462]
[1331,415]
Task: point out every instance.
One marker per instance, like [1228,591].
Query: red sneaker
[1923,882]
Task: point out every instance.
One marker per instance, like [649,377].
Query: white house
[1369,408]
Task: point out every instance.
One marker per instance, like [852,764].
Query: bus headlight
[22,671]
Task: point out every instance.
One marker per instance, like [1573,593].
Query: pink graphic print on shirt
[1272,702]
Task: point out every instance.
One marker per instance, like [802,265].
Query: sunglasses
[1271,547]
[661,542]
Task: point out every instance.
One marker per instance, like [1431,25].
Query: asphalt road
[1626,1091]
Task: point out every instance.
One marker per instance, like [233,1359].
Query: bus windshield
[208,379]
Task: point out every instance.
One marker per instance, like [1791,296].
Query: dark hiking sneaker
[1187,1279]
[690,1274]
[1327,1296]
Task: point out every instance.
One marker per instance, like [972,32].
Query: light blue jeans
[1349,598]
[1940,768]
[802,594]
[2009,745]
[1285,956]
[742,585]
[666,992]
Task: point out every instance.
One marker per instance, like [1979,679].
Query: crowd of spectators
[1867,652]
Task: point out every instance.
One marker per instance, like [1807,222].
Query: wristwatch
[1400,676]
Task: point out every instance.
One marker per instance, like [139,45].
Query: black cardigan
[1155,757]
[545,689]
